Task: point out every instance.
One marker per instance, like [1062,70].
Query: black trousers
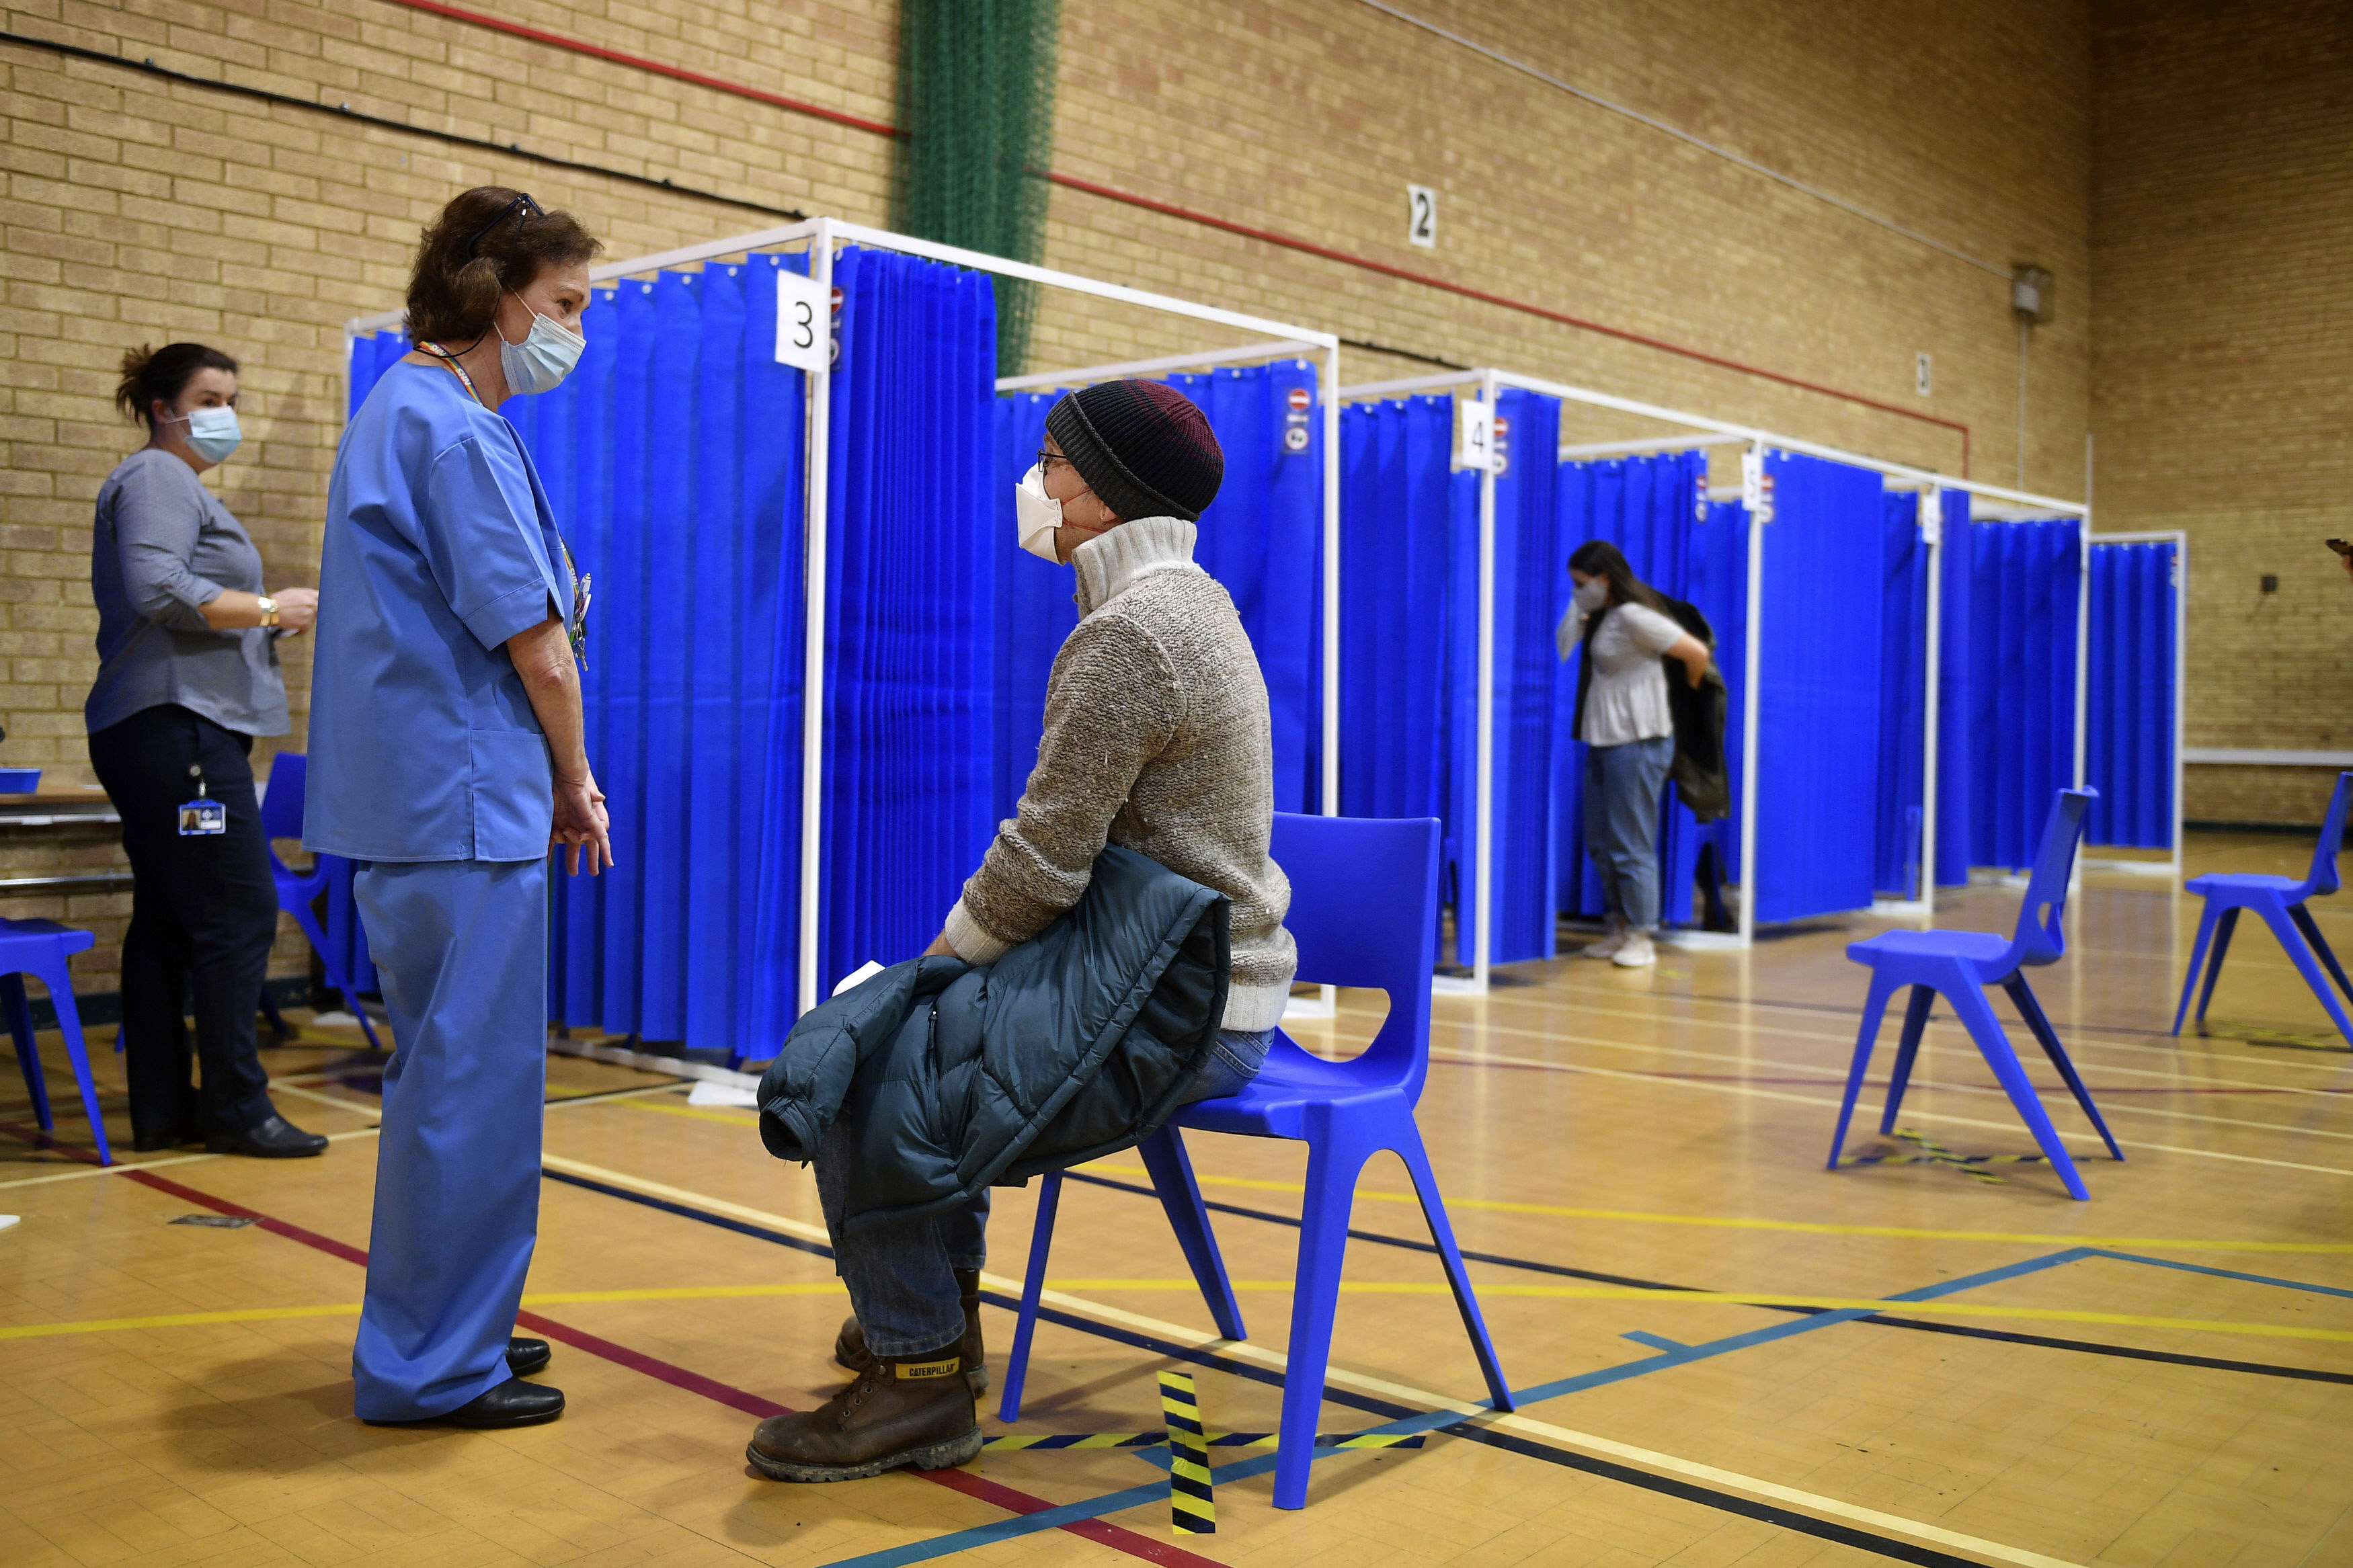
[204,911]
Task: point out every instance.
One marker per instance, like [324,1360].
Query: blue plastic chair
[1364,912]
[1961,964]
[40,949]
[282,817]
[2280,902]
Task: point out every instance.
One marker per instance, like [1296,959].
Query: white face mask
[213,432]
[1593,595]
[543,358]
[1037,516]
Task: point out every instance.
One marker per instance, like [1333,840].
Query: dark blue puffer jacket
[1076,1044]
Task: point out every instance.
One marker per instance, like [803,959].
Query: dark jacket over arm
[1075,1044]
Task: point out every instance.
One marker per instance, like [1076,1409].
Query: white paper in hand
[707,1093]
[859,976]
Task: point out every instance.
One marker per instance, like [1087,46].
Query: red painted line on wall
[1206,220]
[637,62]
[978,1487]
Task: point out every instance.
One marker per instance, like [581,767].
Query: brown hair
[149,374]
[486,241]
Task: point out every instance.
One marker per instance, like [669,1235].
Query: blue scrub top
[439,547]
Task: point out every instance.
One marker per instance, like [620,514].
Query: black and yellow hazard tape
[1192,1508]
[1928,1152]
[1014,1442]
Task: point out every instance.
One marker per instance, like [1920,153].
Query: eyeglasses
[521,204]
[1046,461]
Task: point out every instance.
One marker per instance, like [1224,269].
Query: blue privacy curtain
[1902,698]
[1263,539]
[1531,585]
[1398,496]
[912,563]
[1818,689]
[2008,703]
[672,459]
[1719,591]
[1651,509]
[2130,729]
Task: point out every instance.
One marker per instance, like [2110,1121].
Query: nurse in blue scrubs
[446,760]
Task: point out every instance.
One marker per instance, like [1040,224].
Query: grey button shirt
[164,547]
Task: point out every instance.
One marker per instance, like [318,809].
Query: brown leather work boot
[913,1413]
[850,1346]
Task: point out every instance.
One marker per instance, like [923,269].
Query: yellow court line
[352,1308]
[731,1118]
[1804,1227]
[1588,1442]
[1745,1299]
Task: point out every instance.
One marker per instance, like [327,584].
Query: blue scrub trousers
[461,948]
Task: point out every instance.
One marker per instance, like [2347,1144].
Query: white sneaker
[1635,951]
[1612,939]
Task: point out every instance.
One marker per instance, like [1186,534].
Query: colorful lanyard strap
[577,633]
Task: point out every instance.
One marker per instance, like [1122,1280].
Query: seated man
[1156,740]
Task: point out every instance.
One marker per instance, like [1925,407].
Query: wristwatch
[268,610]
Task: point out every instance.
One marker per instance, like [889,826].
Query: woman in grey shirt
[187,677]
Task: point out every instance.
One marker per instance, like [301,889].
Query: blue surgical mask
[213,434]
[543,358]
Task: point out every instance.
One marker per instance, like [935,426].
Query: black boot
[272,1138]
[850,1346]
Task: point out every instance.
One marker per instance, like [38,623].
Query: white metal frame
[1716,432]
[822,236]
[2180,540]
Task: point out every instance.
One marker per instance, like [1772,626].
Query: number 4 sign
[803,314]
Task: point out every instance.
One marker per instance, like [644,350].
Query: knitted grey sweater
[1156,740]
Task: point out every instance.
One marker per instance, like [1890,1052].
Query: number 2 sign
[1421,216]
[803,323]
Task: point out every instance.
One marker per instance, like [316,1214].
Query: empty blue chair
[40,949]
[282,817]
[1363,909]
[2280,902]
[1960,964]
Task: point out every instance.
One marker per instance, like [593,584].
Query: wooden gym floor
[2163,1375]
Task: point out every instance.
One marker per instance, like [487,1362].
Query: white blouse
[1626,697]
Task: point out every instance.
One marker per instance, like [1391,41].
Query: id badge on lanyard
[202,816]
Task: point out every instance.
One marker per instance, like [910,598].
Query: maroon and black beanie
[1143,446]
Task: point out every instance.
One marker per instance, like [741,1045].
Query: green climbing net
[977,99]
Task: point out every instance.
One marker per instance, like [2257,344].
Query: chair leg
[2222,930]
[28,1054]
[59,980]
[1407,1142]
[1180,1195]
[2207,921]
[318,938]
[1993,1043]
[2307,964]
[2038,1022]
[1041,1240]
[1907,1050]
[1334,1160]
[1874,1008]
[2302,915]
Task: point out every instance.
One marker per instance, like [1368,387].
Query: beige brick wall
[2222,389]
[137,210]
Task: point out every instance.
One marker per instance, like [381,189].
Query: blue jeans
[901,1277]
[1621,825]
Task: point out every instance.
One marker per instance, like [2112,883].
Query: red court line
[978,1487]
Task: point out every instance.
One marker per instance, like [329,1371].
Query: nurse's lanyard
[577,633]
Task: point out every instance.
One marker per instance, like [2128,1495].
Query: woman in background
[187,677]
[1622,716]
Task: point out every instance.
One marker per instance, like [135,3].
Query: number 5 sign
[803,323]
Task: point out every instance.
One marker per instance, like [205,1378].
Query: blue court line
[1655,1341]
[1430,1421]
[2223,1273]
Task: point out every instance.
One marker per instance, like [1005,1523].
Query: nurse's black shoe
[273,1138]
[526,1356]
[513,1402]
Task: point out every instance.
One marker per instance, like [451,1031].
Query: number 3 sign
[803,323]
